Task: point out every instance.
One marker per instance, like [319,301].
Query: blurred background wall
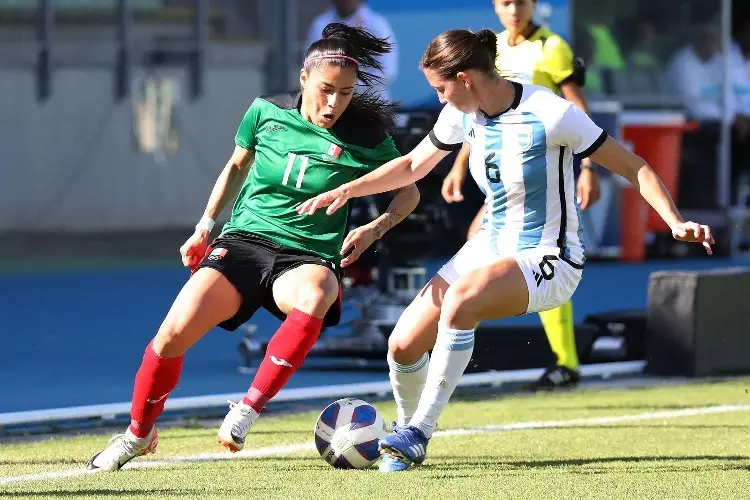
[116,117]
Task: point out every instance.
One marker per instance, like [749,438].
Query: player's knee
[169,341]
[315,298]
[408,342]
[460,304]
[404,350]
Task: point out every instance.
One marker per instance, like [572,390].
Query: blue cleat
[406,445]
[392,463]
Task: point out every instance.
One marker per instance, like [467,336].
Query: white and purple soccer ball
[347,434]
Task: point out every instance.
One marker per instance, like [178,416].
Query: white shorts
[551,280]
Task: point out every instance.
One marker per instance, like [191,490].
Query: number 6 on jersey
[292,157]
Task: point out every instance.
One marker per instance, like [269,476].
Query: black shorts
[252,264]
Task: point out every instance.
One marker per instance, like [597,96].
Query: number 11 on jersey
[292,157]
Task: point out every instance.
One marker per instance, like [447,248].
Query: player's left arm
[587,139]
[614,157]
[402,204]
[358,240]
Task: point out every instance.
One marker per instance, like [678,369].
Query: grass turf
[701,456]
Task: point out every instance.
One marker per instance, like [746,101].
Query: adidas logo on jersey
[471,133]
[275,128]
[538,278]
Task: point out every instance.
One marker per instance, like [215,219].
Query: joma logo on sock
[154,401]
[280,362]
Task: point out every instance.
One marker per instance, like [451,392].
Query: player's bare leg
[413,336]
[495,291]
[305,294]
[206,300]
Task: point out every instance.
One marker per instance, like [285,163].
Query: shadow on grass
[598,465]
[133,493]
[211,433]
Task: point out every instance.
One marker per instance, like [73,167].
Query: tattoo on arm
[386,221]
[401,206]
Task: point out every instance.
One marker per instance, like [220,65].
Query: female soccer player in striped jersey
[529,53]
[299,144]
[528,257]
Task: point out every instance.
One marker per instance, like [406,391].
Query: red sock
[285,353]
[156,378]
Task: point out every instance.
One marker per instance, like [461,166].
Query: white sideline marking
[329,392]
[295,448]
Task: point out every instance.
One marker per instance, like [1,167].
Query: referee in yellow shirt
[529,53]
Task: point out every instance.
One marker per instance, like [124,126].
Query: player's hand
[193,250]
[356,242]
[693,232]
[334,200]
[588,190]
[452,184]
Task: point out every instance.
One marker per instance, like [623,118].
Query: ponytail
[349,46]
[461,50]
[488,39]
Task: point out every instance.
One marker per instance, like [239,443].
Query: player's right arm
[230,181]
[226,188]
[454,181]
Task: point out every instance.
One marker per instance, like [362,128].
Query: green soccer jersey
[296,160]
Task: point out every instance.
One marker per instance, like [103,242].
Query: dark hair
[357,48]
[461,50]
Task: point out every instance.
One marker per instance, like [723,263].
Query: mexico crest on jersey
[334,151]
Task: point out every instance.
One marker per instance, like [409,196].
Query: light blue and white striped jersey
[522,160]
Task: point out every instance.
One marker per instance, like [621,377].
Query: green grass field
[610,444]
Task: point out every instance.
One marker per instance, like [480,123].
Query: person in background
[742,55]
[529,53]
[696,75]
[357,13]
[644,65]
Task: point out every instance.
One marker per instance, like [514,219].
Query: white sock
[450,357]
[407,382]
[132,437]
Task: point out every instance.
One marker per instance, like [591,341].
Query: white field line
[329,392]
[295,448]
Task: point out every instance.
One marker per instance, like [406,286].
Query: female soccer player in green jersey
[299,144]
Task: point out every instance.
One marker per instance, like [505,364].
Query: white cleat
[236,425]
[123,448]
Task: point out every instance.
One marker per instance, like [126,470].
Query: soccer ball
[347,433]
